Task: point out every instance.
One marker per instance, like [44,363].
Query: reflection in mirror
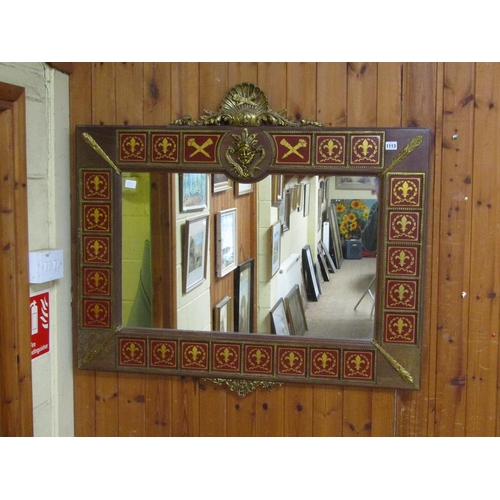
[137,283]
[336,314]
[345,308]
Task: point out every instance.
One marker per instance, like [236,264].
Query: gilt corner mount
[247,141]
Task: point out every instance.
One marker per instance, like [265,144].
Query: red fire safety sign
[40,323]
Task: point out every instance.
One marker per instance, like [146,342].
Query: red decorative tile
[324,363]
[331,150]
[132,352]
[400,328]
[133,146]
[96,218]
[258,359]
[163,353]
[96,281]
[165,148]
[96,250]
[96,313]
[366,150]
[405,191]
[292,149]
[403,226]
[401,294]
[358,365]
[226,357]
[291,361]
[200,148]
[96,185]
[402,260]
[194,355]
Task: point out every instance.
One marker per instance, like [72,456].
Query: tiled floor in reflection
[333,316]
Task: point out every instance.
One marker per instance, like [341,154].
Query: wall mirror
[171,223]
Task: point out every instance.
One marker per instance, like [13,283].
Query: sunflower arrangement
[351,216]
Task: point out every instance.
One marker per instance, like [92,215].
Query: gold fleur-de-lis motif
[163,349]
[96,215]
[405,189]
[324,359]
[292,358]
[365,147]
[164,145]
[400,325]
[403,223]
[400,292]
[96,182]
[226,354]
[194,353]
[96,310]
[402,257]
[132,143]
[133,350]
[96,247]
[259,356]
[358,361]
[96,279]
[330,146]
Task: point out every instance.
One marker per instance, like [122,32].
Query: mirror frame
[249,142]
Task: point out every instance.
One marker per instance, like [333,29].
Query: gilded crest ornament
[243,105]
[243,387]
[243,153]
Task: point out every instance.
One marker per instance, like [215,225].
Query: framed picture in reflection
[286,211]
[295,312]
[354,182]
[307,193]
[275,247]
[226,238]
[312,285]
[221,182]
[276,190]
[279,321]
[193,192]
[243,292]
[243,188]
[195,252]
[223,316]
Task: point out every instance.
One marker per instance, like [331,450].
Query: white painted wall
[48,163]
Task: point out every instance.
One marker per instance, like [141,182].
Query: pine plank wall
[459,394]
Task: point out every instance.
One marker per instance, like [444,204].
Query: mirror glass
[346,304]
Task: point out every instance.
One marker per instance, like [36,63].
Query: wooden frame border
[391,362]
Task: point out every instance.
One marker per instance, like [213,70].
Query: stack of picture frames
[295,198]
[311,275]
[243,303]
[288,315]
[322,261]
[335,238]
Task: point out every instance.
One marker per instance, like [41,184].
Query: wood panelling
[459,394]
